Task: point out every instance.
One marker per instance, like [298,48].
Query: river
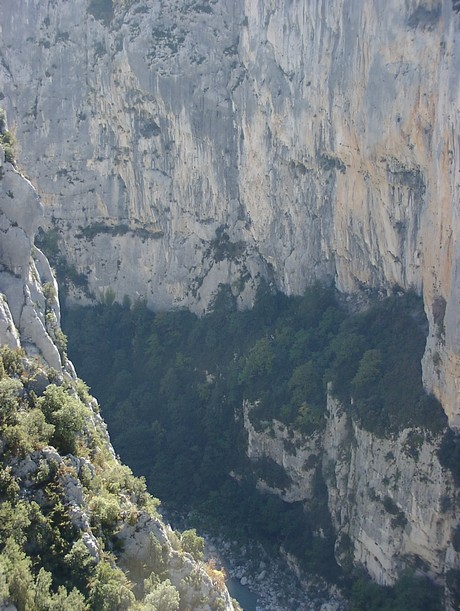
[246,598]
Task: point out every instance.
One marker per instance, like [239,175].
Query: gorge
[194,152]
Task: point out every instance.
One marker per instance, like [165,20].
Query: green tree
[66,413]
[10,393]
[368,375]
[192,543]
[259,361]
[109,589]
[162,597]
[16,566]
[306,384]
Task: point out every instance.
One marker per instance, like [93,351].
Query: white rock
[91,545]
[300,150]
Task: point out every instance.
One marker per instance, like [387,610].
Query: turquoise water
[247,600]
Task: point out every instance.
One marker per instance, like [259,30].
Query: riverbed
[260,581]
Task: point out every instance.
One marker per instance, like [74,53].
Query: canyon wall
[180,144]
[177,145]
[393,506]
[29,308]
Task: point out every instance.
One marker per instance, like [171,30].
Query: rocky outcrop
[90,491]
[391,498]
[198,587]
[145,545]
[392,504]
[283,446]
[179,145]
[24,271]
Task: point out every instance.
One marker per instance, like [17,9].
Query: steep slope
[392,503]
[360,457]
[74,523]
[179,145]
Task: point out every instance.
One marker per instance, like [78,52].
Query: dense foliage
[415,593]
[172,388]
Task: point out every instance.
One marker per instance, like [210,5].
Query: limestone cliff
[393,506]
[28,318]
[180,144]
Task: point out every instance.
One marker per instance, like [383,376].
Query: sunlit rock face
[180,144]
[29,313]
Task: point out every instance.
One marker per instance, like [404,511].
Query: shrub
[80,563]
[449,453]
[16,566]
[10,394]
[162,597]
[7,142]
[66,413]
[193,544]
[101,10]
[109,589]
[12,360]
[456,538]
[105,510]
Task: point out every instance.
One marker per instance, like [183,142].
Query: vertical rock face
[27,317]
[390,497]
[391,502]
[178,145]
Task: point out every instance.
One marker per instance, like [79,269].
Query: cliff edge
[78,531]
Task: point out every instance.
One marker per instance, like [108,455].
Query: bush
[10,396]
[162,597]
[109,589]
[193,544]
[7,142]
[105,510]
[66,413]
[37,432]
[17,568]
[101,10]
[12,360]
[449,454]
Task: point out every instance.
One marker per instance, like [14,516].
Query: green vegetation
[411,592]
[449,453]
[193,544]
[48,493]
[173,386]
[104,10]
[89,232]
[222,248]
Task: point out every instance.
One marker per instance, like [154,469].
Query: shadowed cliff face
[390,498]
[177,145]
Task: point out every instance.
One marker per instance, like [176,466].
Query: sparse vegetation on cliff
[48,242]
[7,140]
[67,506]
